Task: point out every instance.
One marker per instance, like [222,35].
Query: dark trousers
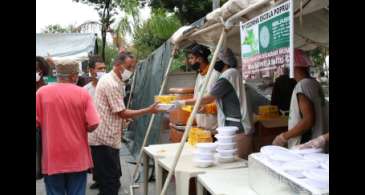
[92,148]
[107,169]
[66,183]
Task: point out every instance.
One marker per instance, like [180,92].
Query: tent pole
[153,116]
[195,110]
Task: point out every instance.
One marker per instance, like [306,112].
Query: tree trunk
[104,28]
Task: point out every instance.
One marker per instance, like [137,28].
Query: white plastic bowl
[225,159]
[225,139]
[203,156]
[206,147]
[227,153]
[227,131]
[203,163]
[165,107]
[226,146]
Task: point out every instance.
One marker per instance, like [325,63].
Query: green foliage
[110,53]
[188,10]
[56,28]
[154,32]
[318,56]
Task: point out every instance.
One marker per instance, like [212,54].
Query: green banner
[266,42]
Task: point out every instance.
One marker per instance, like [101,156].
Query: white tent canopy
[310,24]
[75,46]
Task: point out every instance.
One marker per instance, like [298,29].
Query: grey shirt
[230,102]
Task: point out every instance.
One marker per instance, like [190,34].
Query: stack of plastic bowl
[226,144]
[204,154]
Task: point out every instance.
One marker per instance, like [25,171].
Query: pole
[153,116]
[192,115]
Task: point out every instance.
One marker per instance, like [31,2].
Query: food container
[165,99]
[203,163]
[198,135]
[164,107]
[224,159]
[225,139]
[227,153]
[206,147]
[203,155]
[179,116]
[226,146]
[227,131]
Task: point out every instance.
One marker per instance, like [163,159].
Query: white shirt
[313,91]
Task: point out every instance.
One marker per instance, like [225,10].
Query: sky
[66,12]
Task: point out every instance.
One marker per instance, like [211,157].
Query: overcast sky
[66,12]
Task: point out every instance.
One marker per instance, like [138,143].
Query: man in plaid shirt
[112,111]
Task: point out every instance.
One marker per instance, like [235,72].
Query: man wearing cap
[307,115]
[198,59]
[107,137]
[65,113]
[230,95]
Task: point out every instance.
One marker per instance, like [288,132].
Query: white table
[160,151]
[185,170]
[225,182]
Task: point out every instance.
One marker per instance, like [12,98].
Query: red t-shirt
[64,111]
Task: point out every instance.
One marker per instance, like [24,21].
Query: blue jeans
[67,183]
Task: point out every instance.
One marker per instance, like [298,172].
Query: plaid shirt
[109,101]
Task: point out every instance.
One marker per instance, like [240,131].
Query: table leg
[145,172]
[182,183]
[199,188]
[158,174]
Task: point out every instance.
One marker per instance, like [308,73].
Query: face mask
[126,74]
[219,66]
[195,66]
[99,75]
[37,76]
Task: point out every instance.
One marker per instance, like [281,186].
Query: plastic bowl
[203,156]
[226,146]
[224,159]
[227,131]
[206,147]
[203,163]
[227,153]
[225,139]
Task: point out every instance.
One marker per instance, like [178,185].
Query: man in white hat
[65,113]
[307,117]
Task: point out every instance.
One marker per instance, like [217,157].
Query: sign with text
[266,42]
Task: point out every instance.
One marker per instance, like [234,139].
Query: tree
[188,11]
[154,32]
[106,10]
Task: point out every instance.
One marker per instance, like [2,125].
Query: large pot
[176,133]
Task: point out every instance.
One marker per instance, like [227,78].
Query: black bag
[38,169]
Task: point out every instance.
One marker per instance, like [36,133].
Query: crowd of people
[82,127]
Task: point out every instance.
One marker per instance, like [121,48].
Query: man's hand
[153,108]
[280,140]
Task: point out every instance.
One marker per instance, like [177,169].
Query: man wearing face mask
[198,59]
[230,95]
[42,68]
[97,69]
[110,105]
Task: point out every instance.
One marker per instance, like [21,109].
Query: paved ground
[127,171]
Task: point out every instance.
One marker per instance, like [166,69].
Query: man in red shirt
[65,113]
